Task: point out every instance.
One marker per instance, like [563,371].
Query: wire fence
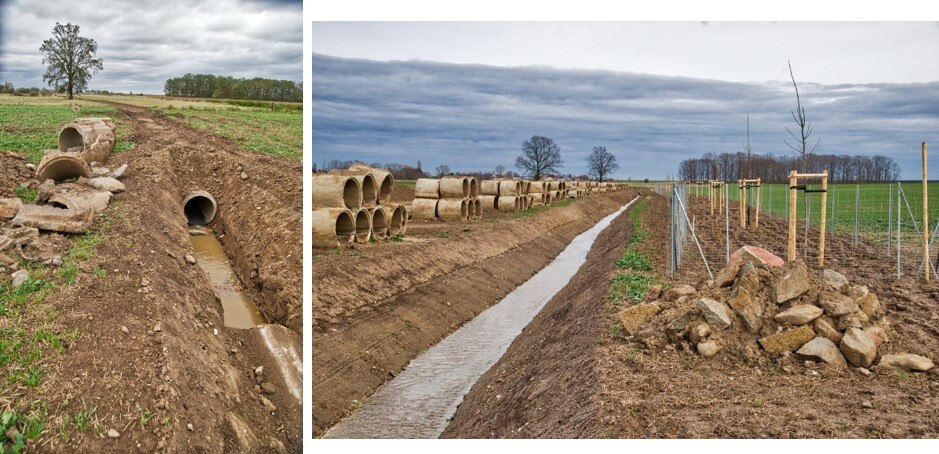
[886,215]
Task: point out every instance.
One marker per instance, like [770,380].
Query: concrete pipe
[454,187]
[332,227]
[556,195]
[489,202]
[427,188]
[572,193]
[489,187]
[363,226]
[200,208]
[384,180]
[424,209]
[548,199]
[508,203]
[452,209]
[526,186]
[508,188]
[336,191]
[397,218]
[538,187]
[537,198]
[474,187]
[379,222]
[60,166]
[91,138]
[479,208]
[366,182]
[529,201]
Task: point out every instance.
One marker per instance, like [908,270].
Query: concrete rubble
[761,309]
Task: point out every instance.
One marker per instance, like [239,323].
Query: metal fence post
[889,217]
[857,207]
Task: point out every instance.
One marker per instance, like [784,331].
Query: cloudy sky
[145,42]
[468,94]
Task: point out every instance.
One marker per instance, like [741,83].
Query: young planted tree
[805,127]
[540,156]
[601,162]
[70,59]
[749,149]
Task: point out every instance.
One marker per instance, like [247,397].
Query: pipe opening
[396,225]
[200,208]
[345,227]
[369,190]
[363,226]
[385,188]
[351,196]
[379,225]
[70,138]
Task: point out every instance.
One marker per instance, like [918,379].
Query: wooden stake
[925,218]
[759,191]
[821,238]
[791,247]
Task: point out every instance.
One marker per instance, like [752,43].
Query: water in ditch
[419,401]
[240,312]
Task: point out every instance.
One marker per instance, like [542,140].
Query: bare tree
[500,170]
[540,156]
[805,127]
[70,58]
[601,162]
[442,170]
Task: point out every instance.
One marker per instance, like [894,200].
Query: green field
[30,125]
[873,200]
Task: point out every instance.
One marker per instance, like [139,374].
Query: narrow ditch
[420,400]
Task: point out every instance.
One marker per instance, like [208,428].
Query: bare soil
[630,389]
[194,374]
[376,307]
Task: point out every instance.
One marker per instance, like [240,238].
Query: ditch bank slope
[543,385]
[373,314]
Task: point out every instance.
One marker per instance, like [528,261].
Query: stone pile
[759,307]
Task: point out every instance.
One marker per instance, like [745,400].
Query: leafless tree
[800,145]
[442,170]
[601,162]
[540,156]
[500,170]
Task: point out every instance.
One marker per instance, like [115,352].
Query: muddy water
[420,401]
[239,311]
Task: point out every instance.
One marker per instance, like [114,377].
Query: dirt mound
[13,171]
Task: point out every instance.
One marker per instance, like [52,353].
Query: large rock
[678,291]
[877,334]
[799,315]
[677,327]
[741,256]
[858,347]
[632,318]
[852,320]
[906,361]
[822,349]
[857,291]
[787,341]
[824,327]
[19,278]
[745,299]
[699,333]
[708,349]
[715,312]
[869,304]
[834,278]
[793,284]
[9,207]
[836,304]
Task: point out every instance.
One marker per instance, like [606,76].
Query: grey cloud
[474,117]
[145,42]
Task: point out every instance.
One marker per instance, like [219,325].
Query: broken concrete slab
[906,361]
[633,318]
[117,174]
[858,347]
[793,284]
[107,184]
[82,200]
[824,350]
[787,341]
[9,207]
[46,217]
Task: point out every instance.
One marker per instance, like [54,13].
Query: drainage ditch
[419,401]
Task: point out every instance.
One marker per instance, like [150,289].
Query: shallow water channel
[240,312]
[419,402]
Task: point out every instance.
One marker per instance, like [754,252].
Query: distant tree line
[7,87]
[775,169]
[224,87]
